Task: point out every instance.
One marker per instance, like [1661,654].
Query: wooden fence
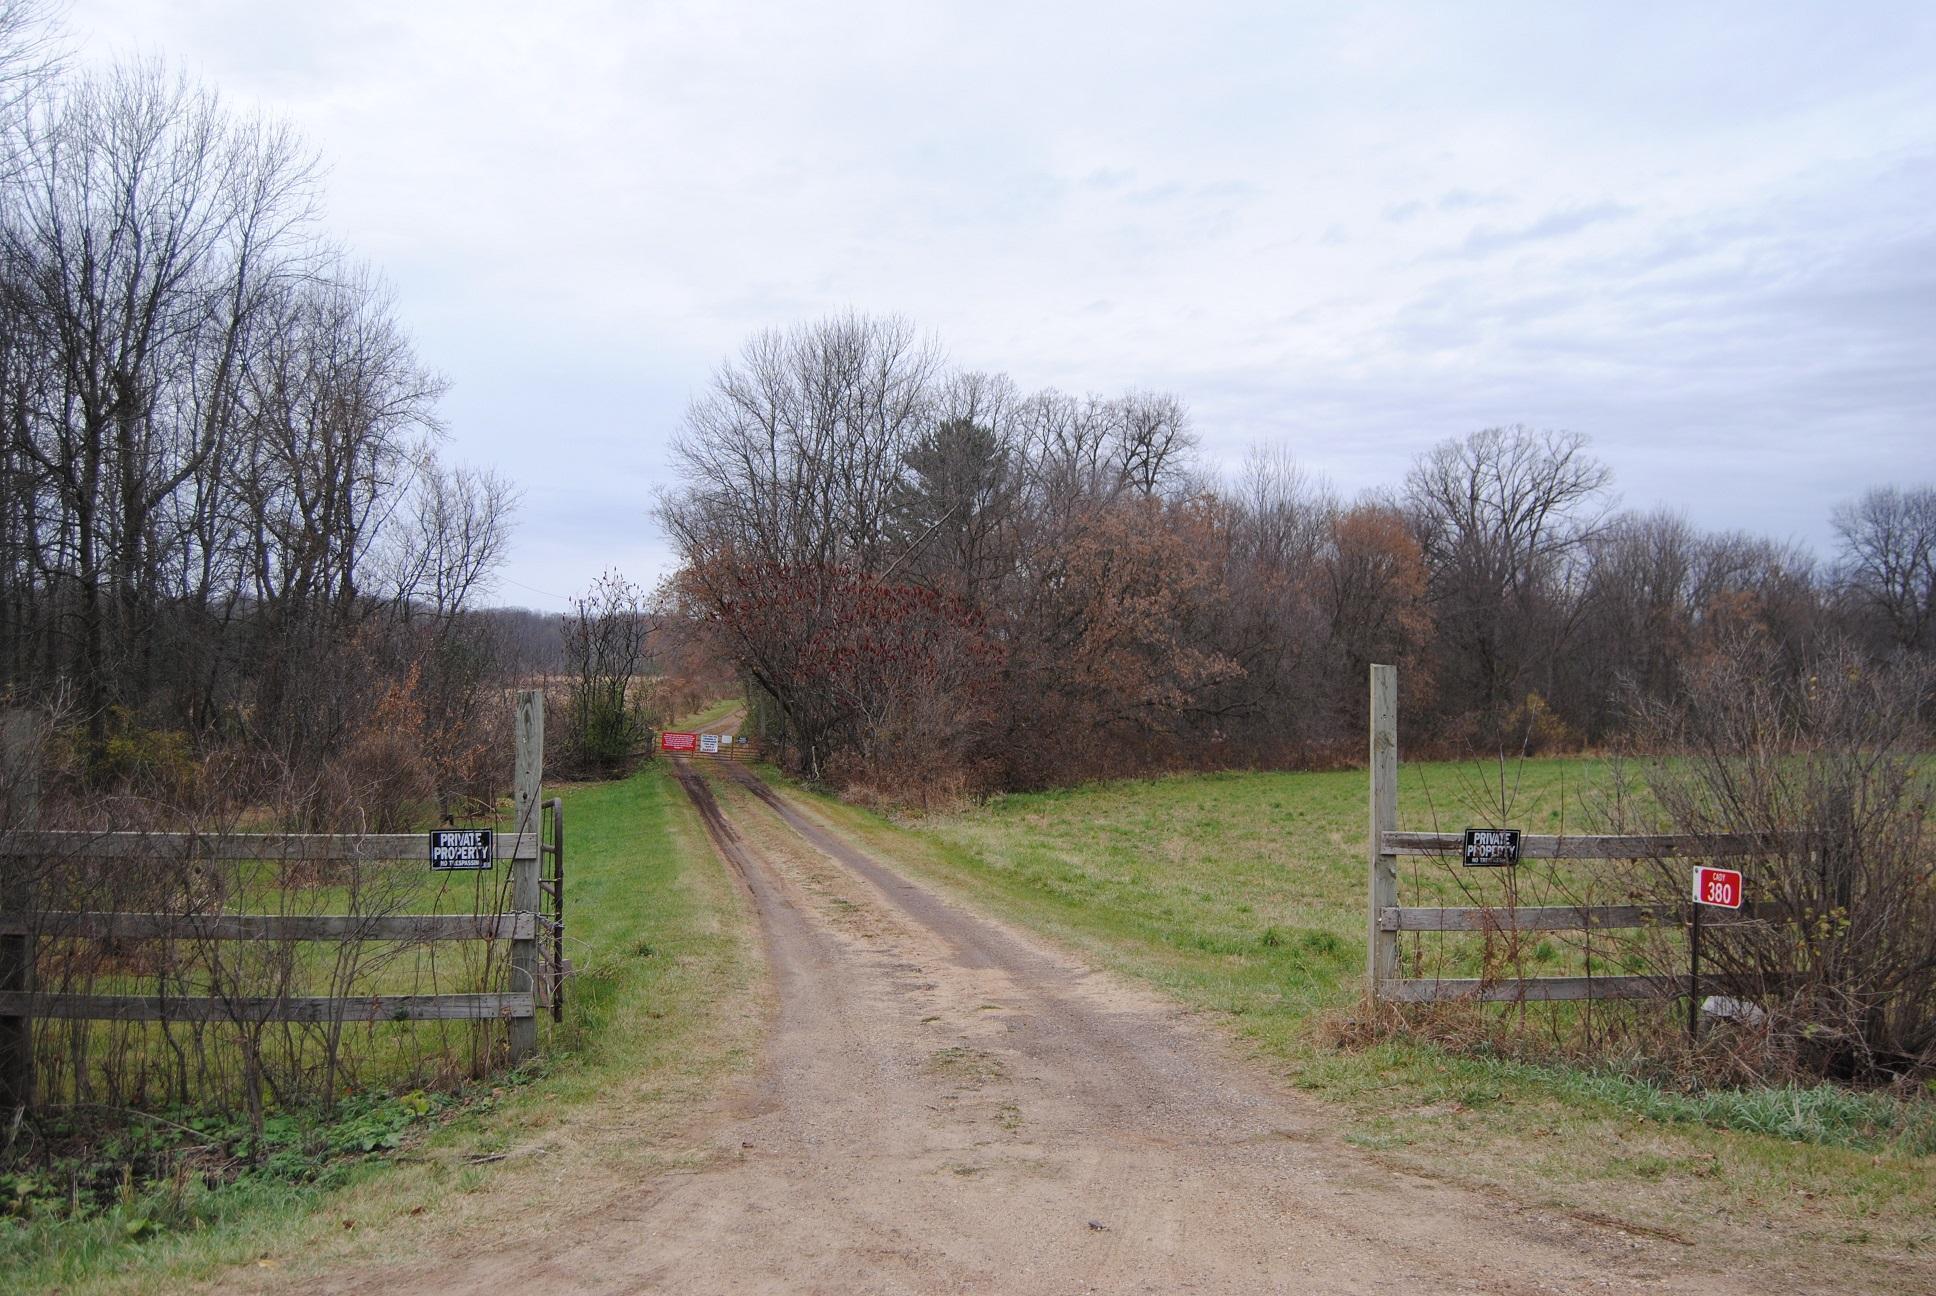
[533,969]
[1387,918]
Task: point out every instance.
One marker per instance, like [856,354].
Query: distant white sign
[709,744]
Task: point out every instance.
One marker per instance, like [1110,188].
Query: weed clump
[78,1176]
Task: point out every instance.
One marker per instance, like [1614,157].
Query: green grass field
[1247,891]
[711,714]
[1244,895]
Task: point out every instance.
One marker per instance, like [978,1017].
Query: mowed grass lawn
[1244,895]
[668,995]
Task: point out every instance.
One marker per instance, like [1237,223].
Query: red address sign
[678,742]
[1717,886]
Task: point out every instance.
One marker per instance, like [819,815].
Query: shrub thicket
[1832,769]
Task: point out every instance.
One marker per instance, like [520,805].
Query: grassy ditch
[1243,894]
[664,1001]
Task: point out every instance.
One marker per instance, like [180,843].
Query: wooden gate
[533,936]
[1387,918]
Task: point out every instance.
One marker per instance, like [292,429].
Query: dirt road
[948,1106]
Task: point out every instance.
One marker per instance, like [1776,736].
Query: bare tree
[1275,519]
[1065,446]
[608,640]
[449,545]
[338,414]
[1069,545]
[224,534]
[143,234]
[1638,616]
[33,50]
[789,464]
[220,519]
[1750,585]
[1287,511]
[1499,515]
[1153,441]
[793,453]
[1888,552]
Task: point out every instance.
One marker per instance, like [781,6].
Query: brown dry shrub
[1529,727]
[919,787]
[1833,770]
[471,763]
[382,779]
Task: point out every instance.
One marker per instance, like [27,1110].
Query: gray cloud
[1454,200]
[1351,230]
[1487,239]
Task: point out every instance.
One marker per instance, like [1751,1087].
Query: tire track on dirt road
[945,1104]
[1067,1099]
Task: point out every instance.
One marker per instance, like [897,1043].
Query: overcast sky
[1704,235]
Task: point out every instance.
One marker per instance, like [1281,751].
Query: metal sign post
[1694,977]
[1720,888]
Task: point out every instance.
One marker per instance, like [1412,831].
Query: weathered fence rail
[1563,918]
[1388,918]
[402,928]
[299,1008]
[533,972]
[1590,846]
[385,847]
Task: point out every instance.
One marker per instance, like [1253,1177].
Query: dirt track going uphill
[947,1105]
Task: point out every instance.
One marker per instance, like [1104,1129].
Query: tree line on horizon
[932,582]
[225,524]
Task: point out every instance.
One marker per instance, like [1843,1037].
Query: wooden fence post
[20,790]
[527,807]
[1382,946]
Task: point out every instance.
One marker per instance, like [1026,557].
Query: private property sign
[1491,847]
[1717,886]
[460,848]
[678,742]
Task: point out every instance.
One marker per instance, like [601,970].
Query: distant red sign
[678,742]
[1717,886]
